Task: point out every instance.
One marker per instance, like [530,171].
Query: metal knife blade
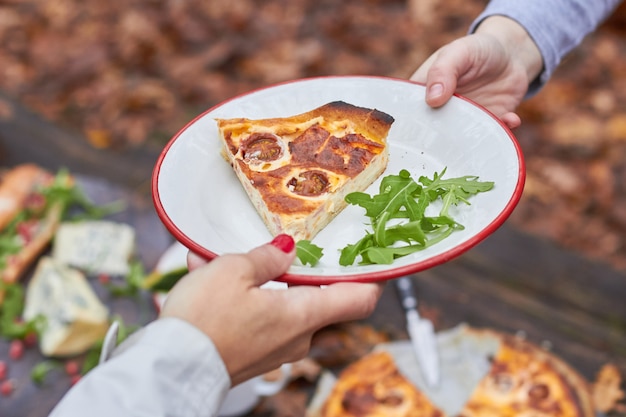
[421,332]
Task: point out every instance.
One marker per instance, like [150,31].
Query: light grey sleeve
[168,368]
[556,26]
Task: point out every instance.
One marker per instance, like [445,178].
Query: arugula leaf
[405,201]
[64,191]
[351,252]
[164,281]
[410,232]
[10,241]
[395,190]
[11,324]
[131,283]
[386,255]
[308,253]
[454,190]
[39,371]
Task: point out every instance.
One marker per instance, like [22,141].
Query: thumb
[442,70]
[440,79]
[512,120]
[273,259]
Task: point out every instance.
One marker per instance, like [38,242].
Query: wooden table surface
[512,281]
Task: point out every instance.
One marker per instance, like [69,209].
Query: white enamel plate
[201,202]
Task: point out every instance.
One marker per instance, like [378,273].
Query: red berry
[30,339]
[104,279]
[16,349]
[6,387]
[3,370]
[72,368]
[26,230]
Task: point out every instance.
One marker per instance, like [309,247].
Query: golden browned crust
[372,123]
[374,387]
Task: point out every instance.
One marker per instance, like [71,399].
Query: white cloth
[167,368]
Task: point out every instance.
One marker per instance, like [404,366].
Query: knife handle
[405,290]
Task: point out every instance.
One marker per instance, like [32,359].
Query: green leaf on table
[164,281]
[132,283]
[11,324]
[39,371]
[65,192]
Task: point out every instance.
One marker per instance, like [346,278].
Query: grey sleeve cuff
[556,27]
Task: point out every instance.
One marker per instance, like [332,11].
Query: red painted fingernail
[284,243]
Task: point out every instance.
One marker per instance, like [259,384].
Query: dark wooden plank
[537,266]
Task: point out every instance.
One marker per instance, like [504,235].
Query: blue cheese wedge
[75,316]
[97,246]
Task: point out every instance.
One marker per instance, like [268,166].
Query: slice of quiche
[374,387]
[297,170]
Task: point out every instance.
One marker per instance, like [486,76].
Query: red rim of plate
[304,279]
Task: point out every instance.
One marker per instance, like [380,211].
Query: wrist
[515,39]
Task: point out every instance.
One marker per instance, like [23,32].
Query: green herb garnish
[401,197]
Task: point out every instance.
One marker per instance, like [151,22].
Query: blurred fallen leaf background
[128,74]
